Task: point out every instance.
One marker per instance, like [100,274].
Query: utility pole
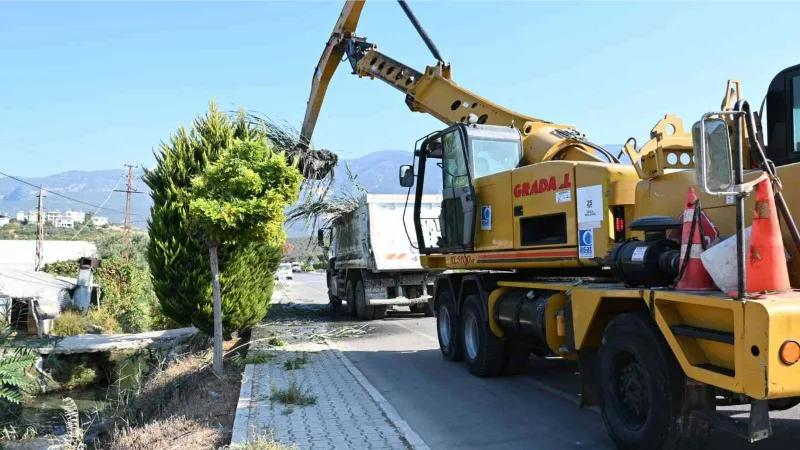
[40,229]
[126,236]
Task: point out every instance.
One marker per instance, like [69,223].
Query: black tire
[350,298]
[334,302]
[516,357]
[363,311]
[641,386]
[483,351]
[448,327]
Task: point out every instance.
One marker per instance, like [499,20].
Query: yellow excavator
[551,245]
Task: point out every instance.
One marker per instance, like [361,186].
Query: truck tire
[363,311]
[641,386]
[350,298]
[334,302]
[483,351]
[447,327]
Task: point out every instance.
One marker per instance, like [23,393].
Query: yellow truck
[552,245]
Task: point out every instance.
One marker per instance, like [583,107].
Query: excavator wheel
[641,387]
[483,351]
[447,327]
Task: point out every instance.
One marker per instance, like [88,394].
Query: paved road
[451,409]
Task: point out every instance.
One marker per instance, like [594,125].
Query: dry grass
[265,442]
[184,400]
[168,434]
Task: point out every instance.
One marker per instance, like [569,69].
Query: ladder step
[707,334]
[717,369]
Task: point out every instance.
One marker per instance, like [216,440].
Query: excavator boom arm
[328,62]
[431,92]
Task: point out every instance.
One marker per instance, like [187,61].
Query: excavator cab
[451,159]
[783,117]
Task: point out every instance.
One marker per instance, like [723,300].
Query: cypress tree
[178,257]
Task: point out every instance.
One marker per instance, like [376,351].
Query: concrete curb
[413,439]
[242,418]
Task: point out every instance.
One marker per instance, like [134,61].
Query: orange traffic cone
[766,260]
[695,277]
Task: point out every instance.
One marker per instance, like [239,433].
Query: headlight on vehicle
[790,352]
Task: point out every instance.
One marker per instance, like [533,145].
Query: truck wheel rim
[631,391]
[444,327]
[471,337]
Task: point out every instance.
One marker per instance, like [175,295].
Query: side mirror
[712,151]
[406,176]
[321,238]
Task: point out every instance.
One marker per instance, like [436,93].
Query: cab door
[458,204]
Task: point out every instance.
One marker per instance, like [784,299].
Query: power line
[64,196]
[98,210]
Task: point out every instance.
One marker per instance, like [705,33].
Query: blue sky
[96,85]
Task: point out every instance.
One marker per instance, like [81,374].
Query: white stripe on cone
[697,249]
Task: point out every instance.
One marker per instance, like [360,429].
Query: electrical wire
[98,209]
[64,196]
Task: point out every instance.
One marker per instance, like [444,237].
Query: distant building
[51,216]
[4,220]
[33,217]
[64,222]
[99,221]
[76,216]
[21,217]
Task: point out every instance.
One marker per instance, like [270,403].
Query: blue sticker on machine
[585,244]
[486,217]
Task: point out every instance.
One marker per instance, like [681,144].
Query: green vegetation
[29,231]
[177,253]
[70,323]
[276,342]
[105,320]
[13,365]
[127,294]
[296,363]
[252,357]
[294,394]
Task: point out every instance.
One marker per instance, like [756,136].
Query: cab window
[454,163]
[796,112]
[491,156]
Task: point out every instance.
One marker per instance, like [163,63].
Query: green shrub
[105,320]
[178,257]
[70,323]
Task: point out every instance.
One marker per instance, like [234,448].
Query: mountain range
[377,172]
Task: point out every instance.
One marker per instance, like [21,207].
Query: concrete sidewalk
[348,412]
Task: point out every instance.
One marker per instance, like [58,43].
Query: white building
[51,216]
[33,217]
[76,216]
[21,217]
[99,221]
[64,222]
[4,221]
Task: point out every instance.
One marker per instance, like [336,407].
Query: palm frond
[73,438]
[321,209]
[313,164]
